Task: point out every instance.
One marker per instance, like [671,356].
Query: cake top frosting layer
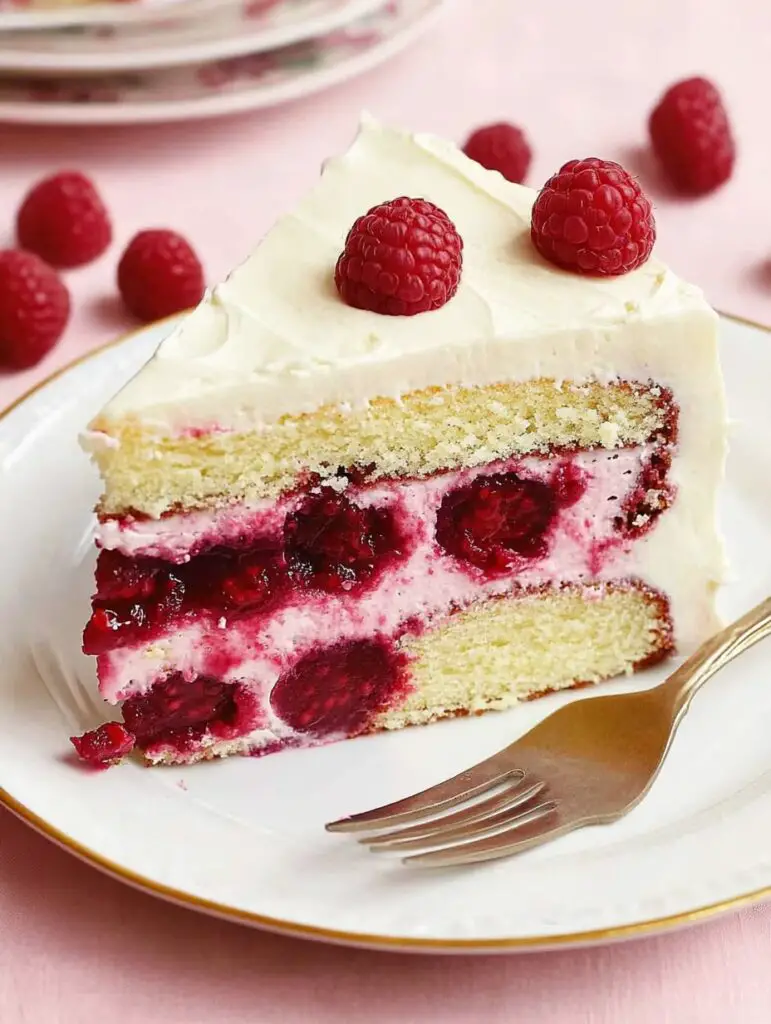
[276,337]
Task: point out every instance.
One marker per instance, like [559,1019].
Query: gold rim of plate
[362,939]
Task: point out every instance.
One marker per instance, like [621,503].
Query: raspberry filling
[650,497]
[496,521]
[139,597]
[104,746]
[322,549]
[177,711]
[334,544]
[339,689]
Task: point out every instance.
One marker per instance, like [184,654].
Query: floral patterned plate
[36,14]
[231,29]
[219,87]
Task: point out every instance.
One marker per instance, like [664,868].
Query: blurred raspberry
[500,147]
[64,221]
[159,274]
[691,136]
[34,309]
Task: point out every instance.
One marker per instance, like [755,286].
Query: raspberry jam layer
[272,600]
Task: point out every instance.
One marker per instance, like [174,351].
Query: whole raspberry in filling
[592,217]
[338,689]
[334,544]
[402,257]
[496,521]
[176,709]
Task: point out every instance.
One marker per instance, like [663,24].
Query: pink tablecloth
[76,947]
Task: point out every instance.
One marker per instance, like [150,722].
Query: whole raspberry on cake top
[324,516]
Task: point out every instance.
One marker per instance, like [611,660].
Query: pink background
[77,947]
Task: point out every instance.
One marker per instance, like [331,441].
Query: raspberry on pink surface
[691,135]
[34,309]
[501,147]
[592,217]
[402,257]
[159,274]
[64,221]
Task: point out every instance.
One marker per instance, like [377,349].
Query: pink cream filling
[584,545]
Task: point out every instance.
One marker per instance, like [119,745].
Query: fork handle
[726,645]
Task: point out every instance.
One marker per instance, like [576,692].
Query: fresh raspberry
[338,689]
[34,309]
[592,217]
[496,520]
[104,746]
[500,147]
[64,221]
[159,274]
[333,544]
[402,257]
[691,135]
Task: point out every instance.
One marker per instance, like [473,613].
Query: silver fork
[588,763]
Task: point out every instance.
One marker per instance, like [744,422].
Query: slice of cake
[402,466]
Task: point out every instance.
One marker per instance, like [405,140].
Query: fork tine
[513,796]
[476,830]
[519,837]
[470,783]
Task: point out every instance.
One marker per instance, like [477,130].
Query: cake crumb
[609,434]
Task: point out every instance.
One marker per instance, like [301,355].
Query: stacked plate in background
[163,60]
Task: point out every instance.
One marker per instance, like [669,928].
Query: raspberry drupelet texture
[334,544]
[496,521]
[338,689]
[159,274]
[402,257]
[592,217]
[64,221]
[691,136]
[500,147]
[34,309]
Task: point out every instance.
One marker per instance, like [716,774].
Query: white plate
[232,28]
[219,87]
[19,15]
[244,838]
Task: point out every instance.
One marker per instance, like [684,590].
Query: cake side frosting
[275,338]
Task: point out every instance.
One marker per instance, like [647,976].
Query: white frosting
[276,337]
